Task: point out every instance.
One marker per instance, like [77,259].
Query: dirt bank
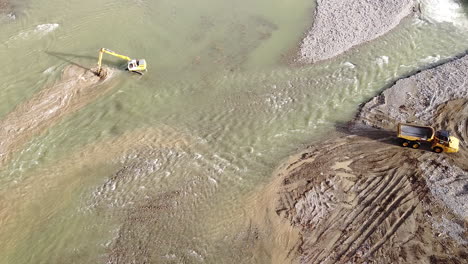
[361,197]
[341,24]
[76,88]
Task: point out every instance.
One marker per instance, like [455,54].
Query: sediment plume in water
[76,88]
[66,175]
[341,24]
[362,197]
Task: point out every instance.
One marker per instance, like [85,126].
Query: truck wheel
[405,143]
[437,149]
[415,145]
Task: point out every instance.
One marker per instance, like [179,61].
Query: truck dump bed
[414,132]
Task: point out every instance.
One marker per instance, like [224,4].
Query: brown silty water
[166,167]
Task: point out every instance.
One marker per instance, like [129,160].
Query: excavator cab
[136,65]
[443,141]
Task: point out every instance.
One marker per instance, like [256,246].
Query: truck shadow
[375,134]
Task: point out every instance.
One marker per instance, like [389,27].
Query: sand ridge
[342,24]
[76,88]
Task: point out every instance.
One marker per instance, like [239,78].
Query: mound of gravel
[416,99]
[342,24]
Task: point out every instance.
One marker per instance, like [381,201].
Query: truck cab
[444,142]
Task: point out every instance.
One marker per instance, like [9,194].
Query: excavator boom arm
[110,52]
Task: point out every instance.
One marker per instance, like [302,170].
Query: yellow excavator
[137,66]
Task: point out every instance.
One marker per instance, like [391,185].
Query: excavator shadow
[137,74]
[65,57]
[69,58]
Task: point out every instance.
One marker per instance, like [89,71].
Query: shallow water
[168,161]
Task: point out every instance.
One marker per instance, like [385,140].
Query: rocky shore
[418,97]
[361,198]
[339,25]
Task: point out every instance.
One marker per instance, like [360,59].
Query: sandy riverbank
[339,25]
[361,197]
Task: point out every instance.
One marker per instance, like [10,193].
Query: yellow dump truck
[413,135]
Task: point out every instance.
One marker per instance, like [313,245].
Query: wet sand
[340,25]
[362,197]
[262,237]
[76,88]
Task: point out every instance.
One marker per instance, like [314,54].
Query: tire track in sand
[361,198]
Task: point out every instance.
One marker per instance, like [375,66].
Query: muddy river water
[169,163]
